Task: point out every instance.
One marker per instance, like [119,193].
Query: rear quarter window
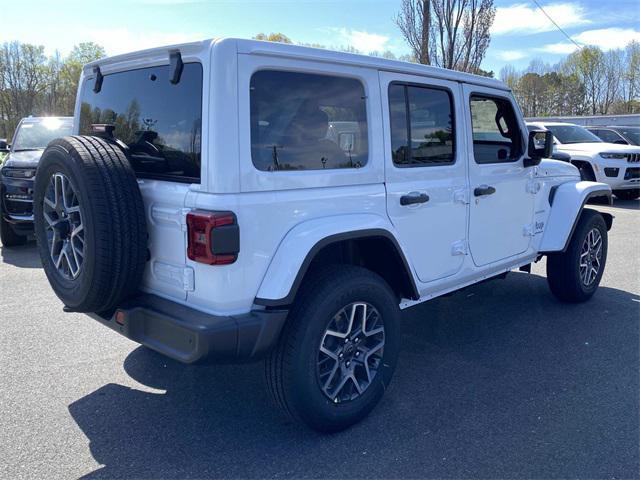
[303,121]
[160,122]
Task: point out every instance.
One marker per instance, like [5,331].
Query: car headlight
[19,172]
[612,156]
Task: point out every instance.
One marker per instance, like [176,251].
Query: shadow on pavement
[24,256]
[626,204]
[499,380]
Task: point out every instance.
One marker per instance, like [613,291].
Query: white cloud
[511,55]
[562,48]
[363,41]
[608,38]
[605,38]
[524,18]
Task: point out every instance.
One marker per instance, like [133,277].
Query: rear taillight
[213,237]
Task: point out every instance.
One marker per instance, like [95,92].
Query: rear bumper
[189,335]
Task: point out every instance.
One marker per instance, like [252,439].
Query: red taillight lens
[213,237]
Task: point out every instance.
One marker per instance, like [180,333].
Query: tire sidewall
[57,160]
[309,401]
[594,220]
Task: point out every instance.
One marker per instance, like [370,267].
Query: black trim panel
[367,233]
[189,335]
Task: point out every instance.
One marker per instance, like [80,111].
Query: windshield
[631,134]
[572,134]
[36,135]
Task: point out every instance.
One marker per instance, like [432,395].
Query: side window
[302,121]
[610,136]
[422,132]
[496,135]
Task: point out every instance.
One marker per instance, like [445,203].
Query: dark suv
[621,135]
[18,171]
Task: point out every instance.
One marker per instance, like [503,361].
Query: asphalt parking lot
[497,381]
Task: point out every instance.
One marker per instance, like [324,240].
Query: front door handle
[413,198]
[483,190]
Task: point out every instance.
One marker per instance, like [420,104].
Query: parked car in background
[619,135]
[32,136]
[611,163]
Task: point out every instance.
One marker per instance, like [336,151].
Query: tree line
[33,83]
[587,82]
[452,34]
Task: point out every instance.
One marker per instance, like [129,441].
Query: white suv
[234,199]
[616,165]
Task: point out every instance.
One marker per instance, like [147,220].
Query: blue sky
[520,33]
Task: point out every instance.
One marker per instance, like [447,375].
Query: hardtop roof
[259,47]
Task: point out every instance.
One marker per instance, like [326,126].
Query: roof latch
[98,85]
[175,61]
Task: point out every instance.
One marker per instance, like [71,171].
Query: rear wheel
[574,275]
[8,236]
[338,351]
[631,194]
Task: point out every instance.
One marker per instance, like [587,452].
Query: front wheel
[631,194]
[338,351]
[574,275]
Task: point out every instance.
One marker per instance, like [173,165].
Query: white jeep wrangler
[234,199]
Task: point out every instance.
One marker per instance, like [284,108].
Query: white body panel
[283,214]
[431,230]
[568,200]
[498,222]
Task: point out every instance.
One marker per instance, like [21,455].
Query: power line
[557,26]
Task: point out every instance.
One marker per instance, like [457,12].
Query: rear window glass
[302,121]
[160,122]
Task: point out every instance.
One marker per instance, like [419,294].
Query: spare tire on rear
[89,223]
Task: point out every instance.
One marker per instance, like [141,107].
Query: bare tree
[510,76]
[630,85]
[448,33]
[414,21]
[611,66]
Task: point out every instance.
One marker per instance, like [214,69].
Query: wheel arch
[567,202]
[370,244]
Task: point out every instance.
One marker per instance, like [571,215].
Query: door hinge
[461,196]
[533,186]
[459,248]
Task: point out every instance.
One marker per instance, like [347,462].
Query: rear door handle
[483,190]
[413,198]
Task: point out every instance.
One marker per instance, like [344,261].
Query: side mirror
[540,146]
[4,146]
